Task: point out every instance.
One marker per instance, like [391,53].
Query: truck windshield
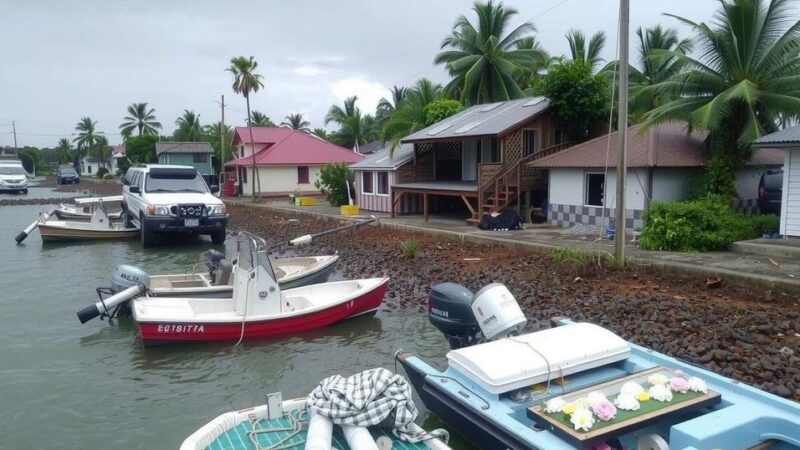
[174,180]
[12,170]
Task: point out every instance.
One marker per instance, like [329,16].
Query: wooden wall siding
[512,146]
[373,202]
[487,171]
[424,161]
[406,173]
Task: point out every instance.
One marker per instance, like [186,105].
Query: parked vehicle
[13,177]
[169,199]
[770,191]
[66,174]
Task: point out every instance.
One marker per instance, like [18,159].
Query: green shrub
[700,225]
[333,179]
[441,109]
[409,248]
[101,172]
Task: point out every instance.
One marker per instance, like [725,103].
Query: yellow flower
[643,396]
[569,408]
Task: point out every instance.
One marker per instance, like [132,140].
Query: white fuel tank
[497,312]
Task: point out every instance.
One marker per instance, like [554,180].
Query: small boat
[542,390]
[66,211]
[99,227]
[258,309]
[286,424]
[218,281]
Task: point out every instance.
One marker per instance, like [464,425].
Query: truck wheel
[146,235]
[25,191]
[218,237]
[126,217]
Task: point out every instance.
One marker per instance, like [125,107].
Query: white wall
[248,149]
[747,182]
[280,180]
[566,187]
[673,184]
[790,205]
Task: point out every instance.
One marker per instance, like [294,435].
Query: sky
[65,60]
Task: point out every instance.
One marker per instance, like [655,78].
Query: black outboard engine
[467,319]
[214,260]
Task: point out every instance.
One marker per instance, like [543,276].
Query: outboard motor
[126,283]
[219,269]
[467,319]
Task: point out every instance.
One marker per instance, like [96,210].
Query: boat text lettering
[172,328]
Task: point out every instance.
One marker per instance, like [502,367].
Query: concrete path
[764,264]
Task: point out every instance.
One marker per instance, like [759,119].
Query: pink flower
[679,373]
[605,411]
[679,384]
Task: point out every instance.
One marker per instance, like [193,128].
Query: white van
[13,177]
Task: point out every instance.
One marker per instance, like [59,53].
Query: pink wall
[409,204]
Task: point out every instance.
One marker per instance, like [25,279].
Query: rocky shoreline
[751,336]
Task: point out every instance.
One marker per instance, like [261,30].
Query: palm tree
[245,82]
[322,134]
[296,122]
[483,59]
[410,114]
[527,75]
[140,118]
[219,135]
[189,128]
[101,150]
[86,139]
[579,51]
[260,119]
[355,128]
[386,107]
[744,78]
[64,150]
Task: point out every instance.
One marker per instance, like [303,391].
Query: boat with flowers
[579,385]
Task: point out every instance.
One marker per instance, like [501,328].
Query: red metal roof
[288,147]
[667,145]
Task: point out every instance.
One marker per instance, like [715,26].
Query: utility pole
[222,146]
[622,121]
[14,128]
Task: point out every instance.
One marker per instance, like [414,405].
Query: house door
[469,160]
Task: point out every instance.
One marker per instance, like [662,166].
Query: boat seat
[222,276]
[515,362]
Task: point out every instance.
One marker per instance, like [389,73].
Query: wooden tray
[625,421]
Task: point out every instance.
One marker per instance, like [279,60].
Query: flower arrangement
[584,413]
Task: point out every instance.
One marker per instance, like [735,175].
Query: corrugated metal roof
[482,120]
[789,137]
[183,147]
[288,147]
[381,159]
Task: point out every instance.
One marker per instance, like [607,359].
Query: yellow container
[306,201]
[348,210]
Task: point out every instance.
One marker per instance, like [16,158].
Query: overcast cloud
[64,60]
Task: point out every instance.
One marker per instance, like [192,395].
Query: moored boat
[536,390]
[66,211]
[99,227]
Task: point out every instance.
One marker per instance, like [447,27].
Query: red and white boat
[258,309]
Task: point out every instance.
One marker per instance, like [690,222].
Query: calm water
[67,385]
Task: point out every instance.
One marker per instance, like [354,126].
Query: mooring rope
[296,423]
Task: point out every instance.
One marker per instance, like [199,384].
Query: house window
[200,157]
[383,183]
[595,189]
[529,142]
[241,151]
[558,137]
[302,175]
[366,183]
[88,168]
[243,172]
[487,150]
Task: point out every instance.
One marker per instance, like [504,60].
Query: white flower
[554,405]
[657,378]
[697,385]
[626,402]
[595,398]
[631,388]
[661,393]
[582,419]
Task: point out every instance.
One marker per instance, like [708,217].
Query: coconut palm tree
[219,135]
[745,76]
[87,137]
[321,133]
[246,81]
[189,128]
[483,58]
[141,119]
[260,119]
[296,122]
[101,150]
[386,107]
[355,128]
[527,75]
[64,151]
[580,51]
[410,114]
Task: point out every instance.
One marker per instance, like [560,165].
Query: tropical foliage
[386,107]
[355,128]
[64,151]
[87,137]
[246,82]
[333,182]
[219,136]
[485,59]
[188,128]
[743,81]
[259,119]
[321,133]
[141,119]
[296,122]
[441,109]
[589,52]
[410,114]
[141,149]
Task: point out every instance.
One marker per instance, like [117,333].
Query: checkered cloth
[370,398]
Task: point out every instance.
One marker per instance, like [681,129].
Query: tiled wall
[568,215]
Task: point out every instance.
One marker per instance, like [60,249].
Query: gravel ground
[752,336]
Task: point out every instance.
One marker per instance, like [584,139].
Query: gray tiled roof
[482,120]
[790,137]
[183,147]
[381,160]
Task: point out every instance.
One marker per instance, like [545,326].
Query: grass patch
[409,248]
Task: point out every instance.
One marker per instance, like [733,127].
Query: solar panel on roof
[439,129]
[468,127]
[382,160]
[534,101]
[490,107]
